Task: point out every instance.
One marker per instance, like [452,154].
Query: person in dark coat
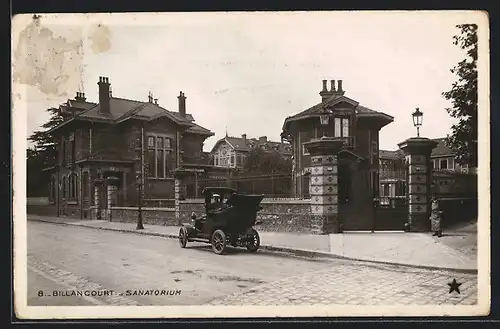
[436,216]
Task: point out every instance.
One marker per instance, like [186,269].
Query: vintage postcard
[251,164]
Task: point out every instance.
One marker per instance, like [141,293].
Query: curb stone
[287,250]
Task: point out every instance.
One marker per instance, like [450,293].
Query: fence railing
[271,185]
[392,174]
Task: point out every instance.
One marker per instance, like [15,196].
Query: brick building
[106,150]
[358,127]
[449,178]
[231,152]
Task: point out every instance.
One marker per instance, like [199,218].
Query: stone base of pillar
[325,224]
[419,223]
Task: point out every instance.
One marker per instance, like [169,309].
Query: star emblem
[316,179]
[330,178]
[419,188]
[418,198]
[419,207]
[419,178]
[454,286]
[329,159]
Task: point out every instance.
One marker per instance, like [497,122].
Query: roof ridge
[128,99]
[85,111]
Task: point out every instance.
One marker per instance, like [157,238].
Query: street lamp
[417,120]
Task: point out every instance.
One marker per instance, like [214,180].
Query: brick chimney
[244,136]
[182,104]
[325,93]
[263,139]
[340,91]
[333,92]
[80,97]
[104,105]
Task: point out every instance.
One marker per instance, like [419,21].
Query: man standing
[435,218]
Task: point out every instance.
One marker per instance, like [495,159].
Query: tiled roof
[199,130]
[122,109]
[336,99]
[238,144]
[78,104]
[318,108]
[441,148]
[392,155]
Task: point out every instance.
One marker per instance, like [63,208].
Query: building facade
[449,178]
[111,150]
[231,152]
[342,118]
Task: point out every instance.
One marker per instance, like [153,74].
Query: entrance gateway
[340,179]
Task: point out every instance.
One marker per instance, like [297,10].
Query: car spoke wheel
[219,242]
[254,242]
[183,237]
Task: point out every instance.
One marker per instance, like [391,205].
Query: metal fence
[271,185]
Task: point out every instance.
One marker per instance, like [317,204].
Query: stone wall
[50,210]
[151,216]
[283,215]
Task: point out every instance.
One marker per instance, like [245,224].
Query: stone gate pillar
[323,184]
[177,190]
[417,153]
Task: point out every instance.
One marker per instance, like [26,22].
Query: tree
[41,154]
[260,161]
[463,96]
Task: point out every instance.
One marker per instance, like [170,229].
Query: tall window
[158,149]
[443,164]
[72,189]
[341,127]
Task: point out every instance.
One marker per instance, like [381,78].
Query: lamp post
[417,120]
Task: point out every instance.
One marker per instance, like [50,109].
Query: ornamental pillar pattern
[323,184]
[177,186]
[417,153]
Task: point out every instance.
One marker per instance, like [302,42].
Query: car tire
[219,242]
[183,237]
[254,245]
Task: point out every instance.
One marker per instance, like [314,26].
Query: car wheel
[254,243]
[183,238]
[218,242]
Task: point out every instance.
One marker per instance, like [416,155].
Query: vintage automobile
[228,220]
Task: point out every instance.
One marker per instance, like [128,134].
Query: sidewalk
[411,249]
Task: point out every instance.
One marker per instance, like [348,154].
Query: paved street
[71,265]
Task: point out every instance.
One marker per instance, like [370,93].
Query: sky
[245,72]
